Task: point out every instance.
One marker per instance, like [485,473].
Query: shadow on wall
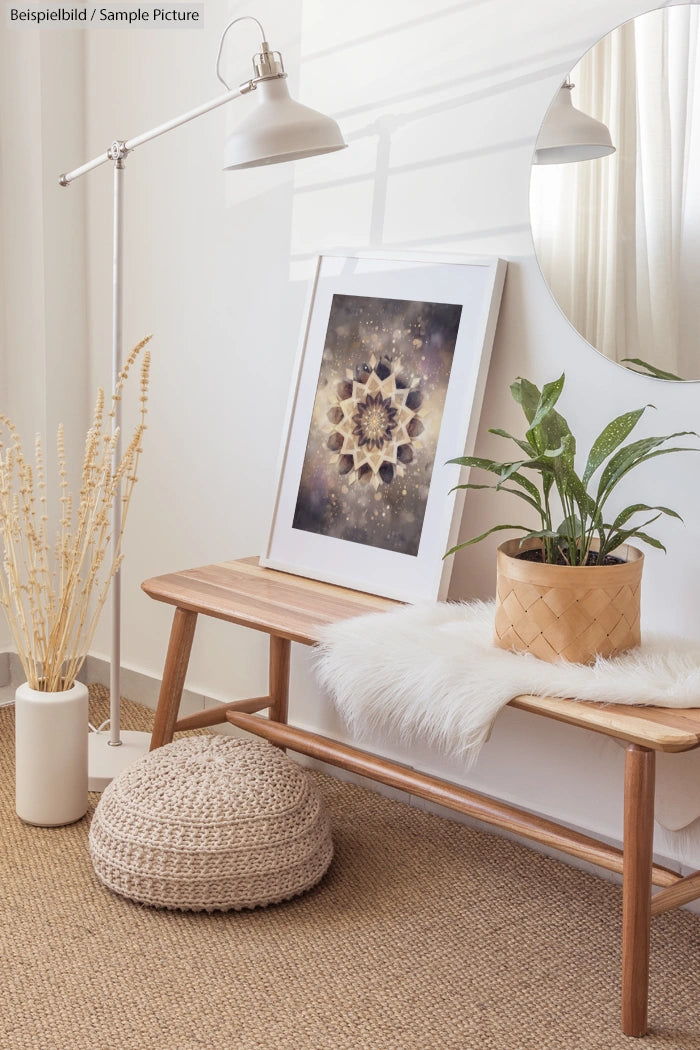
[425,144]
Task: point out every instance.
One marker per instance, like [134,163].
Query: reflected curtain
[615,236]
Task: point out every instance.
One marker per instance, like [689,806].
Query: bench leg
[280,661]
[280,653]
[636,887]
[176,661]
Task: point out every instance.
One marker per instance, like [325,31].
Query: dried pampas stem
[53,596]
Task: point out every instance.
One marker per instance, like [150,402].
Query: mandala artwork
[376,420]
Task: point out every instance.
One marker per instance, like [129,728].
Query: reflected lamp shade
[569,135]
[280,129]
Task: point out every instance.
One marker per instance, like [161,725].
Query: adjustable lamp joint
[118,152]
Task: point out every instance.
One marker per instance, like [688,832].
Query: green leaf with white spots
[611,438]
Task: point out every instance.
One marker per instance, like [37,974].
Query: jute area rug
[423,935]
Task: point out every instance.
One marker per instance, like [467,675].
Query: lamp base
[105,761]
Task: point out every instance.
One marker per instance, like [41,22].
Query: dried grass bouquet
[53,594]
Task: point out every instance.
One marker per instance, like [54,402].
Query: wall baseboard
[139,687]
[5,679]
[11,675]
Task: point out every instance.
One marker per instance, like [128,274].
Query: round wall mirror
[614,200]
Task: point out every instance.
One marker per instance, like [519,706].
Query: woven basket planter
[565,612]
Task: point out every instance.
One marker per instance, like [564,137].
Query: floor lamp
[279,130]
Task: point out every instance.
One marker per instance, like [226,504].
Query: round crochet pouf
[211,823]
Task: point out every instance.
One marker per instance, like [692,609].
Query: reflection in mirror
[569,135]
[618,238]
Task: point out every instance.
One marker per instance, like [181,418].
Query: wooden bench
[293,609]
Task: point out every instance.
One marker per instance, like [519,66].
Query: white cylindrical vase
[51,755]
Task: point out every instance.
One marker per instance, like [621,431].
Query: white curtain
[43,317]
[21,217]
[617,238]
[43,277]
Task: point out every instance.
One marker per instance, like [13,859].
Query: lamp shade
[280,129]
[569,135]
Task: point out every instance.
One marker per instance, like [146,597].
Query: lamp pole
[117,365]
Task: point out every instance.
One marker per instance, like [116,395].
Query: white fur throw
[430,672]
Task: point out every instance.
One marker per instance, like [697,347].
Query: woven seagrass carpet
[423,935]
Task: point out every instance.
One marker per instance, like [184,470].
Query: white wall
[441,104]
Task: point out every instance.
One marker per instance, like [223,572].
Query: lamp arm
[268,65]
[118,150]
[221,100]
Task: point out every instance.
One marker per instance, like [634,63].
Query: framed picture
[390,376]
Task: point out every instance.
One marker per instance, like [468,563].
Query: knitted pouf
[211,823]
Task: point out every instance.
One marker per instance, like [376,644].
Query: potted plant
[570,587]
[52,594]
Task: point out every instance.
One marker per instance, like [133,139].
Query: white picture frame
[390,376]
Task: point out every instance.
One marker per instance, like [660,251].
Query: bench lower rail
[452,796]
[216,716]
[684,891]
